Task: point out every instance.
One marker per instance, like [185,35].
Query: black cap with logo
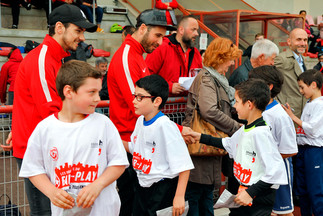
[67,13]
[154,17]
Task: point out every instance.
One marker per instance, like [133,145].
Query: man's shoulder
[286,54]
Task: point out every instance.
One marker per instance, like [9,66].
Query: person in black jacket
[101,64]
[319,65]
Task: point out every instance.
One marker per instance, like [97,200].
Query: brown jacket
[288,65]
[214,107]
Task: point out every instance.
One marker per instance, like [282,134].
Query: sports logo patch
[54,153]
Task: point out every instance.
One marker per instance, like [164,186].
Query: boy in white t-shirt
[160,156]
[258,166]
[309,137]
[74,156]
[283,131]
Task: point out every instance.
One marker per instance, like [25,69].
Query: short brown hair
[219,51]
[51,29]
[74,73]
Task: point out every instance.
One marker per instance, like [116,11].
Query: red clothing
[160,5]
[170,61]
[126,67]
[35,91]
[8,73]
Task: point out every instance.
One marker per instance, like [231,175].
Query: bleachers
[33,26]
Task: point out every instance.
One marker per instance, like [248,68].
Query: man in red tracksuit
[126,67]
[177,55]
[36,96]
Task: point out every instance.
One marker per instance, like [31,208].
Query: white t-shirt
[282,128]
[73,155]
[312,117]
[159,151]
[256,156]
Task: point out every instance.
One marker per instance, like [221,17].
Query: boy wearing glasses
[160,156]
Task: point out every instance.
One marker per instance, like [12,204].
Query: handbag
[9,209]
[200,125]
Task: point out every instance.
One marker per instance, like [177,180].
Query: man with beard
[126,67]
[36,96]
[291,64]
[177,55]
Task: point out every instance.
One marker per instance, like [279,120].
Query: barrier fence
[13,186]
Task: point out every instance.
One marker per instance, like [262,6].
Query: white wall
[313,7]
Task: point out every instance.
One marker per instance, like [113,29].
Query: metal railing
[13,186]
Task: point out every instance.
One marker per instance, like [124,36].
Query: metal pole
[94,20]
[49,6]
[0,17]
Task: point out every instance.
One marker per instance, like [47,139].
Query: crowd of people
[85,5]
[74,159]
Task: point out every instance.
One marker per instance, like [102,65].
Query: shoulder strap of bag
[198,90]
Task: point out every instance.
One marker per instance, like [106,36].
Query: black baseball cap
[320,54]
[67,13]
[154,17]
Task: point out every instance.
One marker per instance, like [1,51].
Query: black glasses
[140,97]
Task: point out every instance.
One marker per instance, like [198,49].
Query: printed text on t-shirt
[140,163]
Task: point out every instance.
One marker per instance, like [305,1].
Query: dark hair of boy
[254,90]
[74,73]
[270,75]
[156,86]
[310,76]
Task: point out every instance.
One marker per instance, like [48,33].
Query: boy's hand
[195,135]
[8,145]
[61,199]
[288,109]
[178,205]
[243,198]
[88,195]
[187,138]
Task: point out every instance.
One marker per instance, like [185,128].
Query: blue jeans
[39,204]
[200,199]
[88,11]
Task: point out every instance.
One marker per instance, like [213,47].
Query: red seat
[4,51]
[100,53]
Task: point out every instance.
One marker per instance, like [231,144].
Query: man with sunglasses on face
[126,67]
[36,96]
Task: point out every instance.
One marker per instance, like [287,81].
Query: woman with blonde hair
[214,98]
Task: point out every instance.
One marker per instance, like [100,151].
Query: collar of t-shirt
[147,123]
[271,105]
[56,115]
[258,122]
[299,61]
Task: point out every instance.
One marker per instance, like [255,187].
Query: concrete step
[36,18]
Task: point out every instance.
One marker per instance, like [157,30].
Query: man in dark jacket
[177,55]
[319,65]
[263,53]
[102,65]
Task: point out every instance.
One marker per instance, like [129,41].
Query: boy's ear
[250,105]
[67,91]
[158,101]
[271,86]
[313,85]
